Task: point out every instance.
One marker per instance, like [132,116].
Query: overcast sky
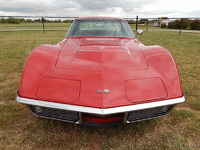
[113,8]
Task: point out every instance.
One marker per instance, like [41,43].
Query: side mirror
[139,32]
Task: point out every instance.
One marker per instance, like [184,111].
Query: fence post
[181,26]
[43,24]
[147,25]
[136,23]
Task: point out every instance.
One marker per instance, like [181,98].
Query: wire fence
[48,23]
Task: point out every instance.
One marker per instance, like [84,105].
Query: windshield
[102,27]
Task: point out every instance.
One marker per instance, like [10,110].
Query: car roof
[90,18]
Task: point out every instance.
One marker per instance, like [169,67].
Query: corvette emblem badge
[105,91]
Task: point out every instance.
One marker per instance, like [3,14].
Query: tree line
[184,24]
[12,20]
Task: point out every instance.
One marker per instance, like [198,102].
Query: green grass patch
[9,113]
[110,143]
[23,26]
[2,78]
[175,141]
[194,127]
[182,115]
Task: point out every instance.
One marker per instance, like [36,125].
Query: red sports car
[100,75]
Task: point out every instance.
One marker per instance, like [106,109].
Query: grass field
[23,26]
[19,129]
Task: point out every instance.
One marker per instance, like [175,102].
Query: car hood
[101,54]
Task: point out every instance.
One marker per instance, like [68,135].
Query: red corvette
[100,75]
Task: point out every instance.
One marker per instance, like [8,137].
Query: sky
[108,8]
